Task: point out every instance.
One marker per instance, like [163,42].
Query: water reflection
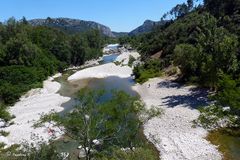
[70,89]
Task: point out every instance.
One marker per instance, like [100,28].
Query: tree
[229,93]
[220,8]
[186,57]
[20,51]
[79,49]
[24,21]
[98,125]
[2,54]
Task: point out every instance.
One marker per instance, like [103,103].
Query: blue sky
[119,15]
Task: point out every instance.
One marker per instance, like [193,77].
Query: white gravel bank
[29,110]
[102,71]
[172,133]
[124,57]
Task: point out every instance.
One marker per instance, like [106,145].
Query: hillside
[147,27]
[72,25]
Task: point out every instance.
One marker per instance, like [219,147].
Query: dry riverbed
[172,133]
[29,110]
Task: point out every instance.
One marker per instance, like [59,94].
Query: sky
[119,15]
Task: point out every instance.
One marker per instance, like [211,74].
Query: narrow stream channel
[228,144]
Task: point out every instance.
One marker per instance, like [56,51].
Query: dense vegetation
[203,41]
[29,54]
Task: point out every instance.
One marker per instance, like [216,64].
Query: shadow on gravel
[196,98]
[169,84]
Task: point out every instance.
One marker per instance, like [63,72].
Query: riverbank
[29,110]
[109,69]
[173,133]
[102,71]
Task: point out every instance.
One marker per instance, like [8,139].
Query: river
[70,89]
[228,144]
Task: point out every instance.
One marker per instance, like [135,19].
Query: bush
[3,133]
[148,70]
[4,114]
[131,60]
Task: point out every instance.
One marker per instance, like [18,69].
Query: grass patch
[216,116]
[4,133]
[4,114]
[117,63]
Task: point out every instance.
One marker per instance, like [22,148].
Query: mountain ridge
[146,27]
[76,25]
[72,25]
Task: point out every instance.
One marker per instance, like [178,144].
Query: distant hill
[120,34]
[147,26]
[72,25]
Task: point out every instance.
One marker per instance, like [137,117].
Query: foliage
[16,80]
[113,122]
[180,10]
[29,54]
[3,113]
[4,133]
[203,42]
[229,93]
[216,116]
[131,60]
[150,69]
[185,58]
[42,151]
[136,154]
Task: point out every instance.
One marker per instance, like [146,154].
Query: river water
[228,144]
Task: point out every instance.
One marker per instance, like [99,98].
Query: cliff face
[147,26]
[72,25]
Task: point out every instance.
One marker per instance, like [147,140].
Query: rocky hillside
[147,26]
[72,25]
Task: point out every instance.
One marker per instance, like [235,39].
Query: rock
[81,153]
[64,155]
[72,25]
[2,123]
[147,26]
[96,142]
[226,109]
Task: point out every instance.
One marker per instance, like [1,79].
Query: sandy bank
[29,110]
[124,57]
[172,133]
[102,71]
[109,69]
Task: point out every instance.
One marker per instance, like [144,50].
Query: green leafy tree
[79,49]
[111,123]
[229,93]
[186,56]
